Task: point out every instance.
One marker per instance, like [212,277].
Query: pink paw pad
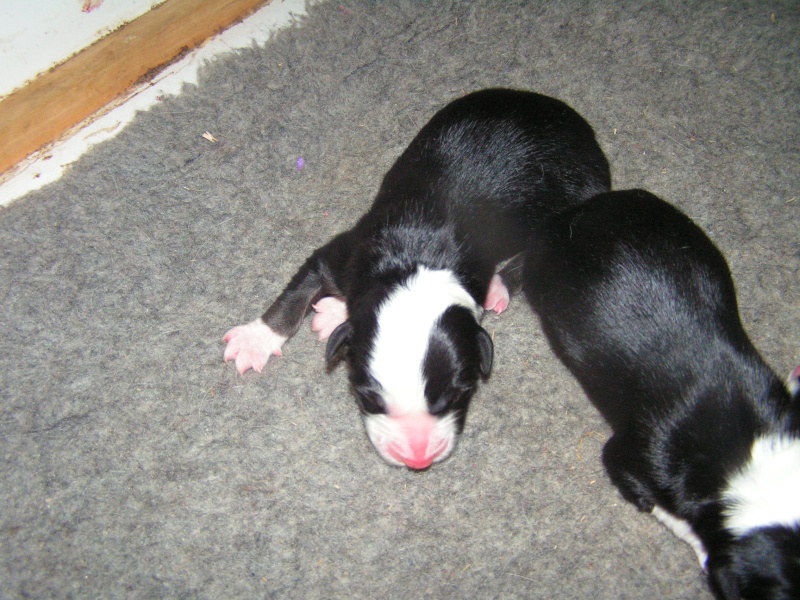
[497,298]
[794,382]
[330,313]
[251,345]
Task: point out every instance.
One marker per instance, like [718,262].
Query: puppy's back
[493,165]
[635,299]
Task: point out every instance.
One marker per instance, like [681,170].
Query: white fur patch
[684,531]
[405,321]
[766,492]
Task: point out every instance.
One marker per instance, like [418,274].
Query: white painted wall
[36,35]
[48,165]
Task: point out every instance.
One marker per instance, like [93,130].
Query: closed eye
[371,402]
[442,404]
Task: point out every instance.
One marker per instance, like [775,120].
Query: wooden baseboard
[56,102]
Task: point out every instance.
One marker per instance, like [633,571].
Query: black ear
[338,339]
[486,349]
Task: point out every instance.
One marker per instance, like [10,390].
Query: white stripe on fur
[684,531]
[766,492]
[405,321]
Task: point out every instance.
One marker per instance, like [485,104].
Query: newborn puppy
[641,307]
[401,294]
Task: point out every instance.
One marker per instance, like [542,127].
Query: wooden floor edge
[57,102]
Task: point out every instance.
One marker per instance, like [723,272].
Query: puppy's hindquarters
[493,165]
[251,345]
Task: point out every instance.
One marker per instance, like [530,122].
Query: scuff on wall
[90,5]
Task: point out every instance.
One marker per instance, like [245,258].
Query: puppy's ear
[486,350]
[336,343]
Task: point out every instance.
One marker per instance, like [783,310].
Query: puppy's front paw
[497,298]
[250,345]
[331,312]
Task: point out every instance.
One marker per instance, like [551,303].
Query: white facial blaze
[405,321]
[766,492]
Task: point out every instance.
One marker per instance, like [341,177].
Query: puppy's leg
[251,345]
[497,298]
[619,457]
[331,312]
[793,383]
[506,282]
[684,531]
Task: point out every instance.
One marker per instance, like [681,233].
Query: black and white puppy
[401,294]
[641,307]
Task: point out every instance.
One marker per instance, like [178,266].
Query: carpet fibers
[136,464]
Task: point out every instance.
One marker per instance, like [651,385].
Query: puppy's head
[764,564]
[415,360]
[762,520]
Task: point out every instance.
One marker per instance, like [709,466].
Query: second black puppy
[641,307]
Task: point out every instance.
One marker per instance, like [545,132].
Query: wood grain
[59,100]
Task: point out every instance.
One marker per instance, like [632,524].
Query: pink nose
[419,458]
[418,464]
[416,453]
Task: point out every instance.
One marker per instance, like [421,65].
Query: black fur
[460,353]
[463,197]
[641,307]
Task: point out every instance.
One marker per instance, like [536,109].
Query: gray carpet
[136,464]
